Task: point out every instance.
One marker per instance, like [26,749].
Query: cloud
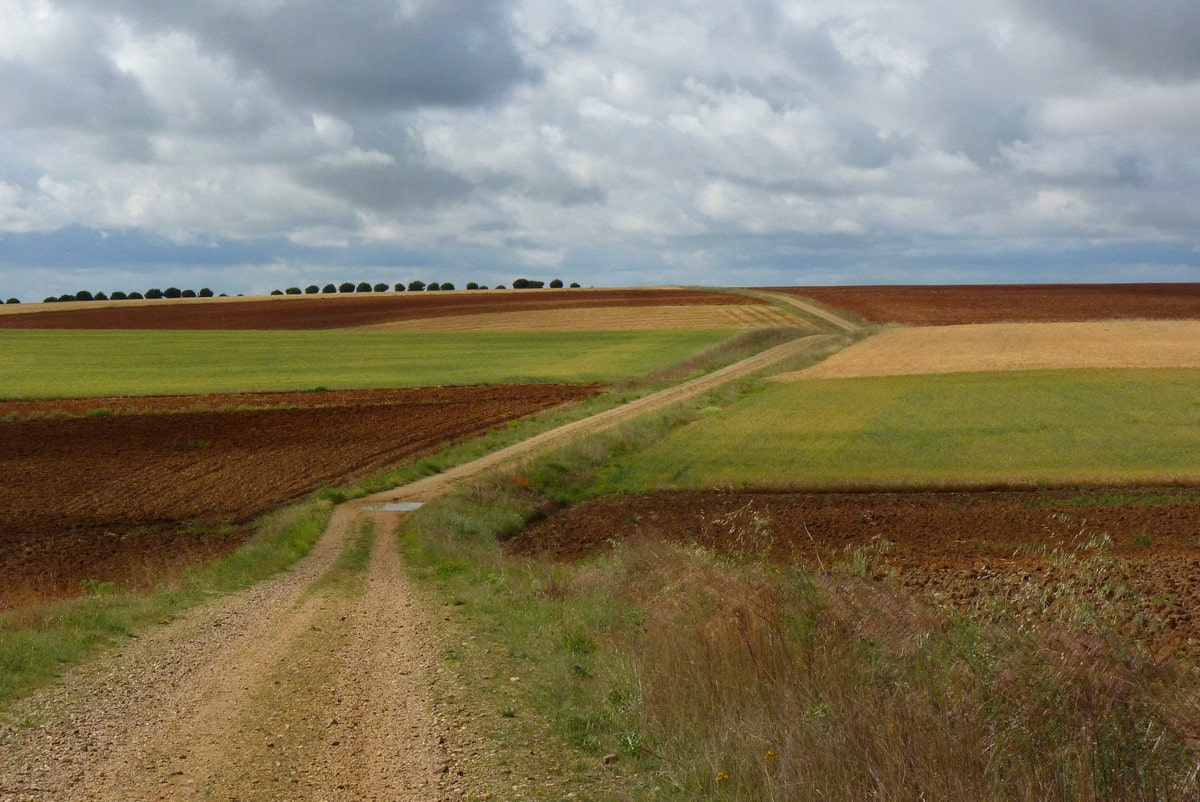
[1158,39]
[674,141]
[365,55]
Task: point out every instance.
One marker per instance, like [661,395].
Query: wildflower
[722,776]
[769,756]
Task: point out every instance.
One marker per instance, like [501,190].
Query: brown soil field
[341,311]
[125,497]
[617,318]
[949,305]
[1015,346]
[1027,546]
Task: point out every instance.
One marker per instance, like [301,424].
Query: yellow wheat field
[606,319]
[1015,346]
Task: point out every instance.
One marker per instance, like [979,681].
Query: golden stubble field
[1015,346]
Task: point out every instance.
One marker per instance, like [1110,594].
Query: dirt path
[316,685]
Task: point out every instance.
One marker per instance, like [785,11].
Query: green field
[944,430]
[61,364]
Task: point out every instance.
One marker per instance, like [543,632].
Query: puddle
[395,506]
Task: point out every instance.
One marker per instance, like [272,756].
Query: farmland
[1013,303]
[80,363]
[133,496]
[962,564]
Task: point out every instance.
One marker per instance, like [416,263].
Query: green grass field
[61,364]
[960,429]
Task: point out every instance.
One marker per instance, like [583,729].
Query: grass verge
[689,674]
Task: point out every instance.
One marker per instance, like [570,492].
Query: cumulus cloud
[672,141]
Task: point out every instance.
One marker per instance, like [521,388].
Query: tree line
[414,286]
[311,289]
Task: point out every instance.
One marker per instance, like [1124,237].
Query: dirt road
[318,684]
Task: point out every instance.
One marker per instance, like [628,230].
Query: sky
[250,145]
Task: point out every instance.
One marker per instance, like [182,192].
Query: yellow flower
[770,755]
[722,776]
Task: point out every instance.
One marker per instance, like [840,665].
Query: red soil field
[1012,303]
[343,311]
[1025,546]
[124,497]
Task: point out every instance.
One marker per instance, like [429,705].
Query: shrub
[119,295]
[172,292]
[101,297]
[500,287]
[312,289]
[471,285]
[65,297]
[84,295]
[416,286]
[135,296]
[528,284]
[399,288]
[381,287]
[574,285]
[154,293]
[292,291]
[206,293]
[189,293]
[556,284]
[50,299]
[328,289]
[363,287]
[433,286]
[346,286]
[447,285]
[13,301]
[277,292]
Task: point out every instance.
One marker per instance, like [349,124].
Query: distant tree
[416,286]
[136,296]
[205,292]
[346,286]
[434,286]
[500,287]
[447,285]
[328,288]
[363,286]
[189,293]
[64,297]
[471,285]
[520,284]
[172,292]
[312,289]
[119,295]
[398,288]
[84,295]
[574,285]
[556,284]
[13,301]
[50,299]
[294,291]
[277,292]
[101,297]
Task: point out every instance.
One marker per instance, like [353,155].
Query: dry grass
[1015,346]
[607,319]
[763,684]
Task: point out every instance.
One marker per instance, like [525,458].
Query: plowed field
[118,497]
[340,311]
[1015,303]
[1027,546]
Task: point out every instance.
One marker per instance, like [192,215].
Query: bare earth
[294,689]
[1016,346]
